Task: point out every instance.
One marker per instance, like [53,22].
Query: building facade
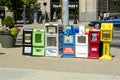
[86,10]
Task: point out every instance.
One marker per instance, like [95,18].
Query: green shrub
[8,22]
[1,29]
[14,32]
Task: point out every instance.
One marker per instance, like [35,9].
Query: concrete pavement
[15,66]
[29,74]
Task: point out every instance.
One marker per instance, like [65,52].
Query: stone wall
[87,10]
[43,7]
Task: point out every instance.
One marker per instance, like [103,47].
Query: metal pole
[75,20]
[24,15]
[45,4]
[107,5]
[65,13]
[45,15]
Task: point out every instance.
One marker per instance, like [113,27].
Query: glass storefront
[56,9]
[112,6]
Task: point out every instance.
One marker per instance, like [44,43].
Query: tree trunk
[15,17]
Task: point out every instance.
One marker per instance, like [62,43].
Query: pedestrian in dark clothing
[101,15]
[39,14]
[46,16]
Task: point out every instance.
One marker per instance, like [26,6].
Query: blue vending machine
[68,43]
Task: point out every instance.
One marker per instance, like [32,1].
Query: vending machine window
[81,39]
[37,38]
[69,27]
[94,37]
[27,50]
[68,39]
[51,29]
[27,38]
[106,35]
[51,41]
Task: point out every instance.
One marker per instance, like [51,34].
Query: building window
[56,9]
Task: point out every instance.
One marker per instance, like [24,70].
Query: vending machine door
[38,37]
[94,36]
[51,42]
[94,51]
[51,28]
[81,51]
[68,52]
[27,36]
[106,35]
[81,39]
[106,32]
[52,52]
[68,40]
[27,50]
[38,51]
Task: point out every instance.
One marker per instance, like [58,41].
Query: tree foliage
[27,2]
[32,4]
[8,21]
[12,5]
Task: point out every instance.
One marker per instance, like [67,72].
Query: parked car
[115,19]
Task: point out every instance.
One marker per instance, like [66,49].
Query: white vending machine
[81,43]
[52,40]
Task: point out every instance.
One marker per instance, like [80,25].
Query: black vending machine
[27,41]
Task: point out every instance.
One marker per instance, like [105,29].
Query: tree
[30,5]
[15,7]
[12,5]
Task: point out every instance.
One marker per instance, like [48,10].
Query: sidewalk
[15,66]
[28,74]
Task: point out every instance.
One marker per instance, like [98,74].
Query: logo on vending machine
[68,50]
[94,49]
[38,50]
[51,51]
[94,37]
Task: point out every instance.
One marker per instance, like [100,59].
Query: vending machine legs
[106,52]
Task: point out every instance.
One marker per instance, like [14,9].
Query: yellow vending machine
[106,38]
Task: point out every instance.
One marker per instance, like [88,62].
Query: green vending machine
[38,42]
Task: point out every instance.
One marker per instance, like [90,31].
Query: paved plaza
[15,66]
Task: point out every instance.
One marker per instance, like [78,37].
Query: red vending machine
[94,41]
